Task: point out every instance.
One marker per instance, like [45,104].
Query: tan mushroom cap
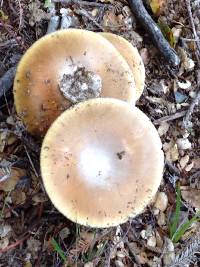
[38,99]
[133,58]
[101,162]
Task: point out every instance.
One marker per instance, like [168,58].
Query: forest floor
[32,231]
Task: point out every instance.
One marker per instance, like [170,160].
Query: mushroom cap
[38,99]
[132,57]
[101,162]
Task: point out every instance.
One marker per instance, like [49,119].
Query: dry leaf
[110,20]
[18,196]
[196,163]
[157,6]
[3,16]
[183,161]
[9,182]
[172,153]
[191,195]
[163,128]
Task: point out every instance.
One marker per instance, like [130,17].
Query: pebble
[183,161]
[119,263]
[189,167]
[169,254]
[151,241]
[4,230]
[183,143]
[159,241]
[161,201]
[161,219]
[89,264]
[120,254]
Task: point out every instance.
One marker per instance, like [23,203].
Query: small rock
[159,241]
[121,254]
[89,264]
[169,254]
[188,64]
[183,161]
[143,234]
[161,201]
[189,167]
[151,241]
[183,143]
[163,128]
[94,12]
[4,230]
[161,219]
[179,97]
[10,120]
[145,56]
[156,211]
[192,94]
[119,263]
[184,85]
[4,242]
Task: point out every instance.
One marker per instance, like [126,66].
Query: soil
[32,231]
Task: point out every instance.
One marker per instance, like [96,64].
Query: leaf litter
[29,222]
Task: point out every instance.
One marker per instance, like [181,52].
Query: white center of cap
[96,167]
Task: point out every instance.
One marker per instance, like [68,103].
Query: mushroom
[101,162]
[133,58]
[66,67]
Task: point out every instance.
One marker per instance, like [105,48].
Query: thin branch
[84,13]
[86,3]
[172,117]
[188,5]
[187,119]
[155,33]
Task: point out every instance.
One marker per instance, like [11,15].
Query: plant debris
[32,231]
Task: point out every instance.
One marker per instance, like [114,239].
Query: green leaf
[167,32]
[176,217]
[58,249]
[184,227]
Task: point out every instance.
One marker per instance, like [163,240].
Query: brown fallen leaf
[110,20]
[9,178]
[191,195]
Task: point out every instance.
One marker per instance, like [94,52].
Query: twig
[12,246]
[187,119]
[172,168]
[170,117]
[20,14]
[151,27]
[31,162]
[6,81]
[86,3]
[188,5]
[84,13]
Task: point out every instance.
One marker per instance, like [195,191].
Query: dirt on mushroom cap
[37,98]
